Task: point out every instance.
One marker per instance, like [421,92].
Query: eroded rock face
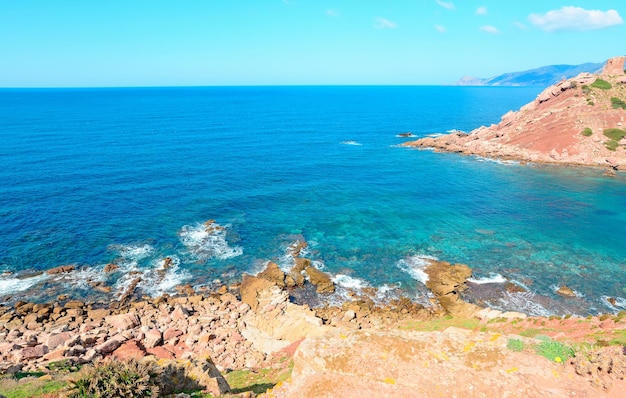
[549,129]
[614,66]
[454,362]
[447,281]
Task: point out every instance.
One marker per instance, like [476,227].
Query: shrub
[586,89]
[590,102]
[515,345]
[586,132]
[617,103]
[615,134]
[601,84]
[611,145]
[113,378]
[555,351]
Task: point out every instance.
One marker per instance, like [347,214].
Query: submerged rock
[565,291]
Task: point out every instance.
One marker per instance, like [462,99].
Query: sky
[117,43]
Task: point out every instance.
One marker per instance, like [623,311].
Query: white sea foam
[492,278]
[620,302]
[434,135]
[415,266]
[349,282]
[506,162]
[351,142]
[205,243]
[523,302]
[10,285]
[455,131]
[134,252]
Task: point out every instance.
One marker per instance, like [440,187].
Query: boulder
[189,375]
[447,281]
[251,286]
[60,269]
[273,274]
[123,321]
[565,291]
[321,280]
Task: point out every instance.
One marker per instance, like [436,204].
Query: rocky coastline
[249,325]
[579,121]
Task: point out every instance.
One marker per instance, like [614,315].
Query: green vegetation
[114,378]
[258,382]
[555,351]
[587,132]
[617,103]
[590,102]
[28,387]
[586,90]
[443,323]
[601,84]
[614,135]
[515,345]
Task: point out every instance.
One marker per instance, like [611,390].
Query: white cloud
[575,18]
[448,5]
[490,29]
[481,11]
[519,25]
[332,13]
[440,29]
[382,23]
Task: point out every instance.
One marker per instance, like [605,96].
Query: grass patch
[587,132]
[586,90]
[555,351]
[611,145]
[515,345]
[259,382]
[601,84]
[444,323]
[536,333]
[590,102]
[29,387]
[617,103]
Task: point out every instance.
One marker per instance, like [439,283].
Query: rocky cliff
[579,121]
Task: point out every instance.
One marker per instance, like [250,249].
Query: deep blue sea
[94,176]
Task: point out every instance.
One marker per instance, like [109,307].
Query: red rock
[108,346]
[153,338]
[179,313]
[110,267]
[61,269]
[123,321]
[28,353]
[170,333]
[130,350]
[57,340]
[161,352]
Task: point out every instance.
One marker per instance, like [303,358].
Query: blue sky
[85,43]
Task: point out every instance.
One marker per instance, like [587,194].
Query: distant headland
[578,121]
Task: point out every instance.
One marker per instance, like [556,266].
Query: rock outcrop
[567,123]
[454,362]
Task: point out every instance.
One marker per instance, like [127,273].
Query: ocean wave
[351,142]
[349,282]
[492,278]
[133,252]
[208,241]
[620,302]
[524,302]
[506,162]
[415,266]
[13,285]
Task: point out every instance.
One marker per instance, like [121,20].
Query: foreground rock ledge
[455,362]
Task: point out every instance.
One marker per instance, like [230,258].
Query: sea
[129,176]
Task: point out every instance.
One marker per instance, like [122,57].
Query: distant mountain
[543,76]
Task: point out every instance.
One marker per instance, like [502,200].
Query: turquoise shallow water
[129,175]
